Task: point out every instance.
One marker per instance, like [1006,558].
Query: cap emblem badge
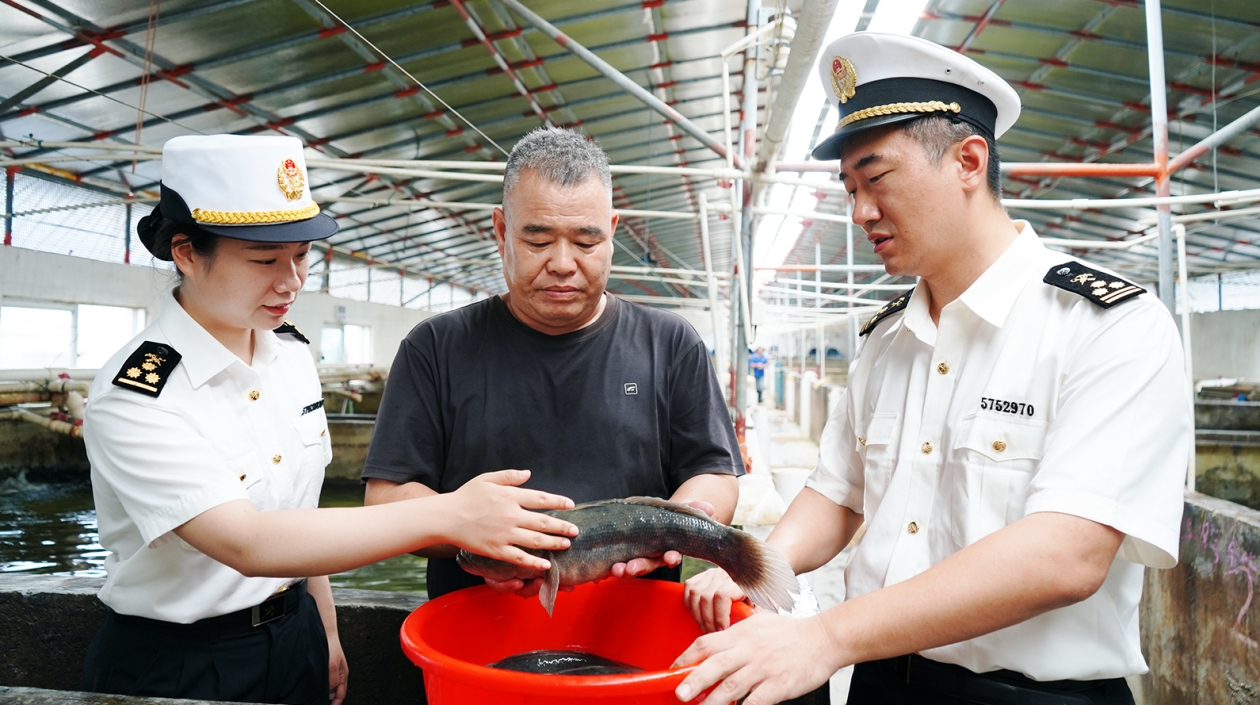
[843,78]
[290,179]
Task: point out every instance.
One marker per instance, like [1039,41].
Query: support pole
[821,358]
[619,78]
[127,236]
[1186,338]
[1215,140]
[743,235]
[1159,135]
[848,260]
[719,360]
[328,256]
[8,204]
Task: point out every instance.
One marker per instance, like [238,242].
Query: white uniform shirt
[1026,398]
[220,430]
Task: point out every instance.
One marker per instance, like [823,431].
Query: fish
[566,662]
[617,530]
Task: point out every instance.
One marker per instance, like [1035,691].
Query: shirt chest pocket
[995,460]
[878,447]
[251,471]
[312,431]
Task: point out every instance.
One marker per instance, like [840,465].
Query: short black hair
[937,133]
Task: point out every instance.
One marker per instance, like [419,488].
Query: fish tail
[762,573]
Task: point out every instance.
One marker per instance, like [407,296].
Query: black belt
[991,687]
[269,610]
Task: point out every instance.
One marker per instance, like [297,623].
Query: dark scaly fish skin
[617,530]
[564,662]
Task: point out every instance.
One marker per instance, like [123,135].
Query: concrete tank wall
[28,276]
[1200,621]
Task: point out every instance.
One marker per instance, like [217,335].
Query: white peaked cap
[875,79]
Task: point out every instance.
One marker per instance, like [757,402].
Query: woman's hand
[491,517]
[709,596]
[338,671]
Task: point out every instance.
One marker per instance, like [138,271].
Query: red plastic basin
[644,623]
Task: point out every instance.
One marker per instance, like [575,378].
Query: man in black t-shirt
[597,397]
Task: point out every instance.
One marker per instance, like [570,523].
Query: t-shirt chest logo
[631,388]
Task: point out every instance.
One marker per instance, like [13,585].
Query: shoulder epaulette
[889,309]
[292,330]
[148,368]
[1103,289]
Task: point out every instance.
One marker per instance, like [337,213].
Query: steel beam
[615,76]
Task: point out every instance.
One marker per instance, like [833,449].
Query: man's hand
[709,596]
[492,518]
[768,657]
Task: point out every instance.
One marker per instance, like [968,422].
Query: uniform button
[913,527]
[322,432]
[861,440]
[276,458]
[253,395]
[999,446]
[943,368]
[927,447]
[242,478]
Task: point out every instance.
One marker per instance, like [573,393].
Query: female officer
[208,441]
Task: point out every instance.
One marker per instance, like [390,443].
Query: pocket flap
[312,427]
[881,429]
[1003,439]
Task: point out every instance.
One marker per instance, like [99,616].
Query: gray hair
[563,157]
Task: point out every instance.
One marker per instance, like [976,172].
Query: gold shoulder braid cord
[931,106]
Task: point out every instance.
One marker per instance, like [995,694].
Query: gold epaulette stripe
[253,217]
[931,106]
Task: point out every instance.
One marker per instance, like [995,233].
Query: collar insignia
[290,179]
[292,330]
[1105,290]
[889,309]
[843,78]
[147,369]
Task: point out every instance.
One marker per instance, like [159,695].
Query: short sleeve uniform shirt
[1025,398]
[218,431]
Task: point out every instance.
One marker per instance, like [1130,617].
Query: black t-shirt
[627,406]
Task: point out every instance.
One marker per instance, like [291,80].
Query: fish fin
[763,574]
[666,504]
[550,587]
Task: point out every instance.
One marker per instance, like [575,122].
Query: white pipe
[823,297]
[49,375]
[1100,244]
[812,27]
[1179,231]
[411,202]
[1209,215]
[719,360]
[664,270]
[849,285]
[102,146]
[349,165]
[1219,199]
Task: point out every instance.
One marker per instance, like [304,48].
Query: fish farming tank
[50,529]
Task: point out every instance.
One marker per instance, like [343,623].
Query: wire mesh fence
[52,216]
[1226,291]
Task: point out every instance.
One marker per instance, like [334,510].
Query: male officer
[598,397]
[1014,434]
